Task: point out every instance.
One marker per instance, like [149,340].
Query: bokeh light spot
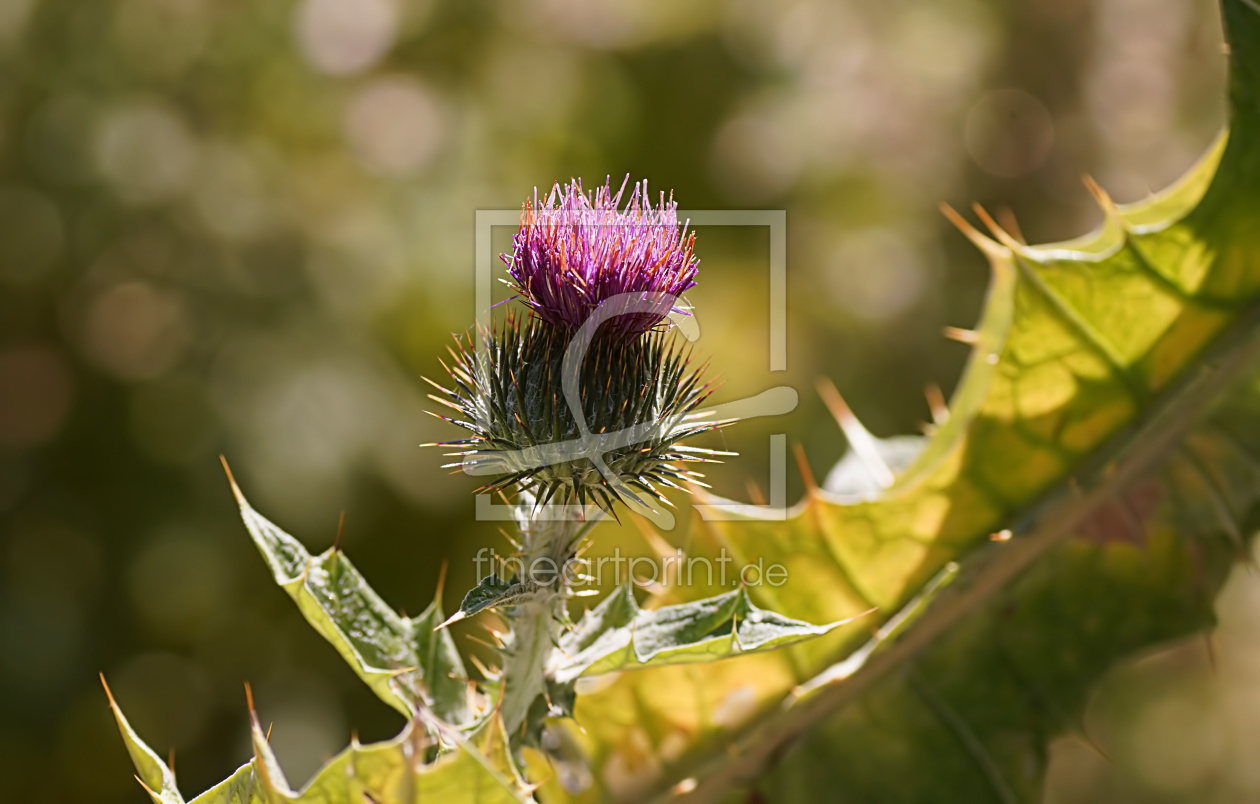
[1009,133]
[135,331]
[340,37]
[36,392]
[876,275]
[395,126]
[754,158]
[146,153]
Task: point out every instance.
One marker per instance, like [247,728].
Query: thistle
[586,400]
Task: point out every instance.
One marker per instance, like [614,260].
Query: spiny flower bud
[575,251]
[598,422]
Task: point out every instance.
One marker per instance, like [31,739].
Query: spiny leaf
[401,659]
[270,782]
[390,772]
[157,778]
[494,592]
[236,789]
[1092,361]
[977,708]
[618,635]
[441,666]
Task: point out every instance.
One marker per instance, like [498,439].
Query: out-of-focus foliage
[248,227]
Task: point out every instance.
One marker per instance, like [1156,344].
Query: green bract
[638,400]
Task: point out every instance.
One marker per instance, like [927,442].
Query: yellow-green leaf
[1093,360]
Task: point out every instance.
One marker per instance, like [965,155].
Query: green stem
[547,539]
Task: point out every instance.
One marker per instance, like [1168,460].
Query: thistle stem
[549,538]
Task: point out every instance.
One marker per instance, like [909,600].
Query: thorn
[1001,234]
[441,583]
[989,247]
[807,474]
[170,761]
[967,336]
[685,786]
[1000,536]
[936,403]
[1006,217]
[498,704]
[1209,645]
[306,572]
[516,545]
[1092,743]
[1100,195]
[400,671]
[249,702]
[267,737]
[488,625]
[485,671]
[1249,561]
[454,618]
[341,524]
[236,490]
[754,492]
[112,703]
[860,439]
[987,219]
[530,789]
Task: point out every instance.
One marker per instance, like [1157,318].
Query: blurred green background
[246,227]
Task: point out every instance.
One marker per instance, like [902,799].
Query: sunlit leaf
[1095,367]
[618,635]
[389,772]
[401,659]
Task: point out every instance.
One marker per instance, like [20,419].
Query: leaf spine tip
[807,474]
[991,249]
[454,618]
[1001,234]
[936,404]
[860,439]
[236,490]
[967,336]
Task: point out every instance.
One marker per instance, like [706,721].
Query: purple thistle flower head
[576,251]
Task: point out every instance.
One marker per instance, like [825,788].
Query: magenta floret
[574,251]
